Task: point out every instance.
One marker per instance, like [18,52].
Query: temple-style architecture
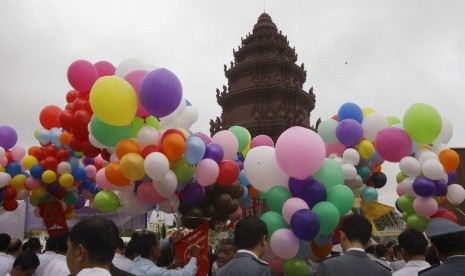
[264,92]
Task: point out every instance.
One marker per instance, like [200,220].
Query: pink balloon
[334,148]
[204,137]
[147,194]
[4,161]
[300,152]
[393,144]
[90,171]
[102,181]
[400,190]
[206,172]
[261,140]
[291,206]
[276,265]
[228,142]
[425,206]
[135,79]
[18,153]
[32,183]
[105,68]
[284,244]
[82,75]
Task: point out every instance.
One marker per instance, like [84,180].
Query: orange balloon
[253,192]
[173,146]
[321,252]
[115,176]
[376,169]
[126,146]
[449,159]
[65,137]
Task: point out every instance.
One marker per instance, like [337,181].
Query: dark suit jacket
[452,266]
[244,264]
[352,263]
[114,271]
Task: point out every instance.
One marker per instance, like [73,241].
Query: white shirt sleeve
[188,270]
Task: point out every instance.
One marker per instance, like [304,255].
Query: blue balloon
[304,249]
[74,162]
[195,150]
[245,194]
[13,168]
[310,190]
[43,136]
[36,171]
[78,173]
[305,224]
[243,179]
[188,103]
[369,194]
[55,137]
[215,152]
[350,111]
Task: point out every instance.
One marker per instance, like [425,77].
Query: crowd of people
[93,247]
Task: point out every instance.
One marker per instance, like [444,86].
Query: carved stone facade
[264,92]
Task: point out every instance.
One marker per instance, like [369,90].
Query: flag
[198,236]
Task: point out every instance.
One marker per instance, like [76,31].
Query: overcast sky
[397,52]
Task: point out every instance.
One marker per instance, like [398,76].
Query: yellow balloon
[70,215]
[39,192]
[66,180]
[30,161]
[34,200]
[113,100]
[367,111]
[132,166]
[365,149]
[17,182]
[49,176]
[2,169]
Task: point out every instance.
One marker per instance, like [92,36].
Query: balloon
[410,166]
[195,150]
[242,136]
[193,194]
[273,221]
[113,100]
[127,146]
[262,170]
[106,201]
[261,140]
[379,179]
[82,75]
[49,116]
[296,267]
[330,173]
[156,165]
[321,252]
[440,187]
[369,194]
[334,149]
[449,159]
[8,137]
[139,123]
[114,175]
[66,180]
[276,197]
[131,64]
[366,149]
[105,68]
[350,172]
[132,166]
[349,132]
[310,190]
[432,169]
[417,222]
[342,197]
[135,79]
[425,206]
[328,215]
[350,111]
[455,194]
[405,203]
[206,172]
[107,134]
[184,171]
[160,92]
[300,152]
[5,179]
[228,142]
[393,144]
[276,265]
[372,124]
[49,176]
[167,186]
[10,205]
[424,187]
[148,135]
[444,213]
[146,194]
[422,122]
[214,151]
[305,224]
[228,172]
[173,146]
[292,205]
[446,131]
[327,131]
[284,244]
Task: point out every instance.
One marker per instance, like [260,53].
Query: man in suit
[414,246]
[250,239]
[355,235]
[449,240]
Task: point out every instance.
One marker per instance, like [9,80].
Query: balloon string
[176,217]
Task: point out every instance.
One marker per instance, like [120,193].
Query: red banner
[54,218]
[198,236]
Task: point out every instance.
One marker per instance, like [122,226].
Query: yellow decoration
[30,161]
[367,111]
[374,210]
[49,176]
[66,180]
[17,182]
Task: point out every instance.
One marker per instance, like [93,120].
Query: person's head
[447,237]
[5,240]
[51,244]
[390,247]
[397,250]
[431,256]
[91,243]
[15,247]
[413,244]
[62,243]
[25,264]
[226,251]
[250,233]
[33,245]
[120,246]
[131,248]
[355,232]
[380,251]
[148,246]
[370,249]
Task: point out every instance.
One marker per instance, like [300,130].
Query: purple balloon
[305,224]
[349,132]
[80,203]
[89,161]
[397,206]
[215,152]
[192,194]
[310,190]
[423,186]
[240,164]
[53,188]
[440,187]
[8,137]
[160,92]
[451,176]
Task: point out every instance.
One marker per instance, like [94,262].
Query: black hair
[357,228]
[51,244]
[145,243]
[248,232]
[396,249]
[120,243]
[5,240]
[62,243]
[98,236]
[15,245]
[27,260]
[432,257]
[131,247]
[33,245]
[390,243]
[413,242]
[228,241]
[380,250]
[370,249]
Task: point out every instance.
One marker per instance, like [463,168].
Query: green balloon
[405,216]
[108,135]
[330,173]
[296,267]
[139,123]
[422,122]
[400,177]
[183,170]
[405,203]
[417,222]
[328,215]
[327,131]
[106,201]
[70,198]
[364,172]
[342,197]
[275,198]
[392,120]
[273,221]
[242,135]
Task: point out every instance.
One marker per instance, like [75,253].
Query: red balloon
[9,156]
[82,118]
[50,151]
[229,172]
[71,96]
[98,163]
[444,213]
[170,131]
[62,155]
[80,104]
[37,152]
[49,116]
[75,143]
[149,149]
[10,193]
[66,119]
[81,133]
[90,151]
[105,155]
[70,107]
[49,163]
[10,204]
[83,95]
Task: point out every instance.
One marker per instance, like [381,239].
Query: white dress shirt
[397,264]
[6,263]
[142,266]
[95,271]
[44,259]
[412,268]
[57,266]
[122,262]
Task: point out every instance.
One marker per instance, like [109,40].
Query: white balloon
[350,172]
[446,131]
[169,205]
[5,179]
[188,117]
[407,185]
[22,194]
[432,169]
[63,167]
[455,194]
[94,142]
[262,170]
[437,148]
[410,166]
[420,152]
[156,165]
[167,186]
[131,64]
[130,205]
[427,155]
[147,135]
[373,123]
[125,189]
[2,152]
[355,183]
[351,156]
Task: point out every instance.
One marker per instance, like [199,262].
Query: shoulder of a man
[244,264]
[430,270]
